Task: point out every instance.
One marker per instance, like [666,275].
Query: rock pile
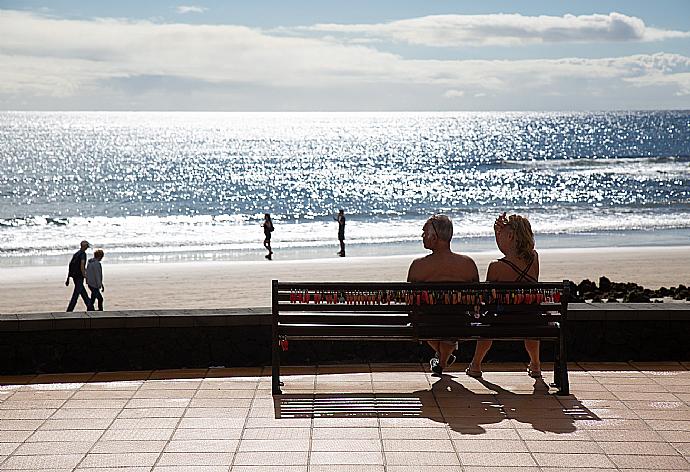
[626,292]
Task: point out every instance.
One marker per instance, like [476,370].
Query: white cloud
[505,30]
[184,9]
[109,63]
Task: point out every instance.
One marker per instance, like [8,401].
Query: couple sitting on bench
[520,264]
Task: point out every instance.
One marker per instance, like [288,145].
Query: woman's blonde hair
[524,238]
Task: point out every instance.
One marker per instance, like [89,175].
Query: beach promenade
[371,418]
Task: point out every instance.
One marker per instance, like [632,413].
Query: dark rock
[611,300]
[596,299]
[586,286]
[663,292]
[604,284]
[636,297]
[681,294]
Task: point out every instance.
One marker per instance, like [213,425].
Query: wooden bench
[402,311]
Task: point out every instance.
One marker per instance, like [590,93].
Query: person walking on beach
[268,229]
[77,271]
[94,278]
[520,263]
[341,231]
[442,265]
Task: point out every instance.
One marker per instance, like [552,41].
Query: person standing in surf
[341,231]
[268,229]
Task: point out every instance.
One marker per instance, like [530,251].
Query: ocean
[179,186]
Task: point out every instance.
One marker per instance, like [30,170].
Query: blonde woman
[520,263]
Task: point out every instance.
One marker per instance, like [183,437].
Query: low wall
[134,340]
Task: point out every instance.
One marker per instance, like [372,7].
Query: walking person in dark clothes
[341,231]
[94,278]
[77,271]
[268,229]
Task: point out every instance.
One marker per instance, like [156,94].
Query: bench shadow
[447,402]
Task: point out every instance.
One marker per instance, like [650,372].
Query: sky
[345,56]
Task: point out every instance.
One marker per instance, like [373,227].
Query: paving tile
[144,423]
[424,468]
[113,469]
[219,412]
[190,468]
[489,445]
[421,458]
[573,460]
[158,403]
[495,434]
[33,414]
[675,436]
[14,436]
[71,435]
[267,468]
[196,458]
[346,422]
[6,448]
[103,394]
[274,445]
[534,435]
[119,447]
[137,435]
[271,458]
[278,423]
[276,433]
[346,458]
[564,447]
[650,462]
[130,459]
[345,433]
[412,432]
[612,435]
[211,423]
[219,433]
[86,414]
[20,425]
[514,459]
[45,462]
[667,425]
[78,423]
[53,448]
[202,445]
[351,445]
[150,413]
[345,468]
[96,403]
[198,402]
[638,447]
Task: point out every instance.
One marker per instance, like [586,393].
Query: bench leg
[275,369]
[563,384]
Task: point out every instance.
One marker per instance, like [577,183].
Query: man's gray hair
[443,226]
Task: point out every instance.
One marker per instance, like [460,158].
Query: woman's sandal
[535,374]
[476,374]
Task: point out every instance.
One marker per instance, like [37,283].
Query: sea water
[175,186]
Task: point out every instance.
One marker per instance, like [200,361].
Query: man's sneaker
[451,361]
[436,366]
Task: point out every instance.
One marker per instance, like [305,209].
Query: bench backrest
[411,310]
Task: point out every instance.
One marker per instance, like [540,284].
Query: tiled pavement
[374,418]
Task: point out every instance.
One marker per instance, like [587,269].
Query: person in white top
[94,278]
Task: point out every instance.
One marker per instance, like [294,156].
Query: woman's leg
[532,347]
[480,351]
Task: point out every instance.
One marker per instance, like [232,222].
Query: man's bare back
[443,267]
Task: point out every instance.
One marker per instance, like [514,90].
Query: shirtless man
[442,265]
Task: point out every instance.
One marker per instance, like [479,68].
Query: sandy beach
[247,284]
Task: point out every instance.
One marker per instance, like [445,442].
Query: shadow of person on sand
[448,401]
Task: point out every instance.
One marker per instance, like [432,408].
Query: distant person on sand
[268,229]
[520,263]
[442,265]
[94,278]
[77,271]
[341,231]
